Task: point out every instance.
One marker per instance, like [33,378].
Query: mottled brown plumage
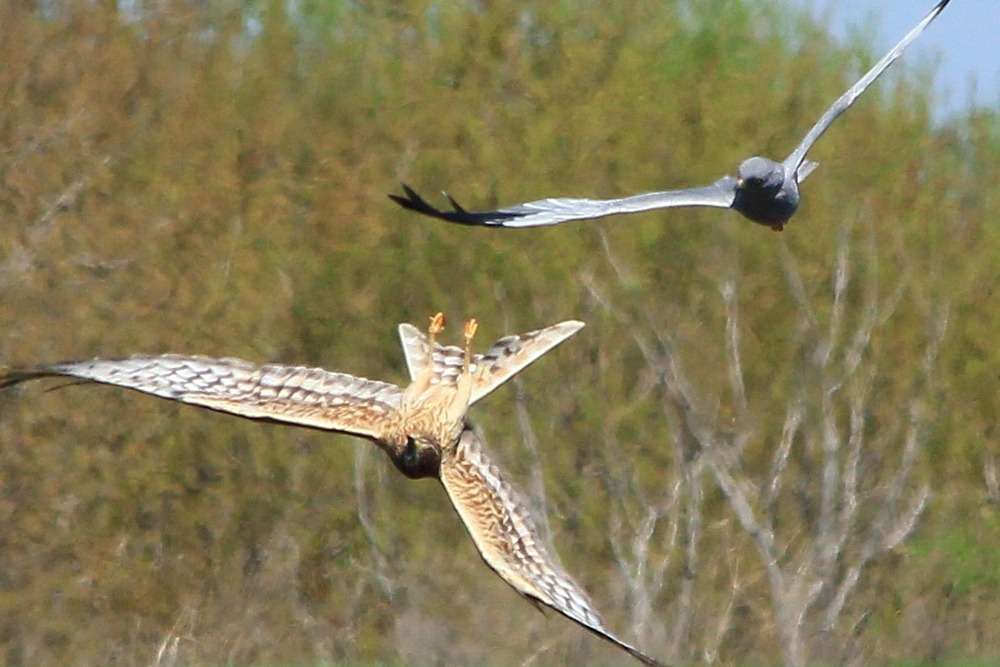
[422,428]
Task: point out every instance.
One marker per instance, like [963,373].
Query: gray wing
[554,211]
[301,396]
[507,357]
[844,102]
[505,535]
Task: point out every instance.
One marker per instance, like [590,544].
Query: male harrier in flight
[765,191]
[422,428]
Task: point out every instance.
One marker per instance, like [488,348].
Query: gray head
[761,173]
[763,194]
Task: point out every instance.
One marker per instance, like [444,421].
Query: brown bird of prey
[764,191]
[422,428]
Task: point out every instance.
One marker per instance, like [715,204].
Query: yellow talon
[436,326]
[471,327]
[470,330]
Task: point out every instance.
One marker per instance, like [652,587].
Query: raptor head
[759,173]
[434,418]
[418,458]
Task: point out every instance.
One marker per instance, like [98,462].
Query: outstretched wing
[845,101]
[293,395]
[504,533]
[554,211]
[502,361]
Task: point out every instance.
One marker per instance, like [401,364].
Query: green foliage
[211,177]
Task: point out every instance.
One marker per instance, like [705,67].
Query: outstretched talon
[435,327]
[470,330]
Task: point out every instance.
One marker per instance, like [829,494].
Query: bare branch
[728,290]
[530,441]
[793,278]
[381,563]
[793,420]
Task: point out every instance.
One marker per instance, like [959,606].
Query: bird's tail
[807,167]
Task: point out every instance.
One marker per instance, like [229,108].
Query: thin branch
[736,380]
[793,421]
[363,501]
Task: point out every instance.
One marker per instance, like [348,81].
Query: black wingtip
[454,204]
[412,201]
[458,215]
[938,9]
[15,377]
[9,378]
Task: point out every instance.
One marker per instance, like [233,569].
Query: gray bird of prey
[422,428]
[765,191]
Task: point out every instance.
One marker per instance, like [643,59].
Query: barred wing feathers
[505,535]
[507,357]
[295,395]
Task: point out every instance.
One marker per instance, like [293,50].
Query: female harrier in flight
[422,428]
[765,191]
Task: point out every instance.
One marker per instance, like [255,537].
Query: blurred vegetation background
[211,178]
